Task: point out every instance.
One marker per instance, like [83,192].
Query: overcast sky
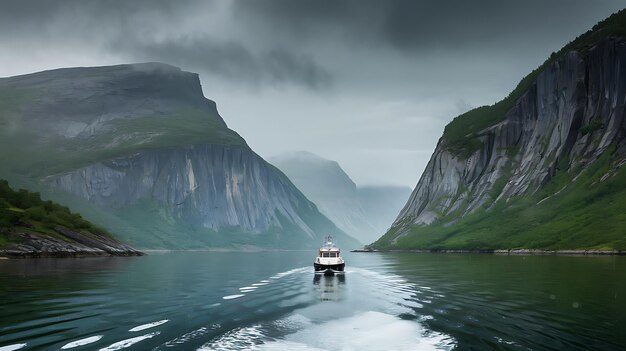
[370,84]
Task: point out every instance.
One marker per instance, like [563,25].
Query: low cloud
[232,61]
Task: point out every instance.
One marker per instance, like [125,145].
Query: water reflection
[330,287]
[392,302]
[484,301]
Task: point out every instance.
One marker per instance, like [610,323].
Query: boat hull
[329,268]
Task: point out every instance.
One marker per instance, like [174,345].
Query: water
[273,301]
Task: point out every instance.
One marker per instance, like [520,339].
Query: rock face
[140,142]
[74,245]
[570,114]
[363,212]
[543,129]
[213,186]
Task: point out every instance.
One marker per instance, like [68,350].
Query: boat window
[333,254]
[326,254]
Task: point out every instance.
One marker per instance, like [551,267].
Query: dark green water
[273,301]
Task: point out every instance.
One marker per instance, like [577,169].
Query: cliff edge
[541,169]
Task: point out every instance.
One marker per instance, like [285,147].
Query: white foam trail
[252,287]
[12,347]
[238,339]
[248,288]
[291,271]
[81,342]
[230,297]
[148,326]
[129,342]
[186,337]
[289,345]
[365,331]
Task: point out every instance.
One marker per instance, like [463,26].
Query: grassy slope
[586,214]
[25,211]
[27,152]
[152,227]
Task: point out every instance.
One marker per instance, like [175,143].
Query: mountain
[364,213]
[542,168]
[381,204]
[31,227]
[140,151]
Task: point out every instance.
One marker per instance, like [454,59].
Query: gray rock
[143,138]
[76,245]
[550,126]
[213,186]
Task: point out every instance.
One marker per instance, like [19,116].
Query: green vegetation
[26,211]
[461,136]
[573,211]
[591,127]
[500,183]
[27,152]
[588,213]
[151,225]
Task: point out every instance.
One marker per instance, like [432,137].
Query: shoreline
[76,245]
[521,252]
[18,255]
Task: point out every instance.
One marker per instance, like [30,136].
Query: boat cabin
[329,253]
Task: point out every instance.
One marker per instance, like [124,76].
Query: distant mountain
[381,204]
[139,150]
[543,168]
[30,227]
[364,213]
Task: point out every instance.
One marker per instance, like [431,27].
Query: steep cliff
[363,212]
[539,169]
[144,153]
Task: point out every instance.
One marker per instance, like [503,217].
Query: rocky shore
[67,243]
[513,252]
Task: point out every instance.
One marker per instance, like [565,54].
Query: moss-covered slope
[30,226]
[541,169]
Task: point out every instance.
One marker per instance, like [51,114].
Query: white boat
[329,260]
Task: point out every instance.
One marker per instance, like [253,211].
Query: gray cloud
[425,24]
[156,31]
[231,60]
[369,83]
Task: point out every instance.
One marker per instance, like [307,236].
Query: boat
[329,260]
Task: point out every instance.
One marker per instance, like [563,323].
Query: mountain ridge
[363,212]
[143,139]
[513,175]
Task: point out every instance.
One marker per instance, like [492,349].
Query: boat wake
[296,309]
[330,326]
[369,330]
